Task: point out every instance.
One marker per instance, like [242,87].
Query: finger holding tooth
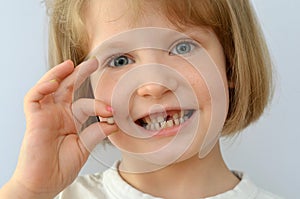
[83,108]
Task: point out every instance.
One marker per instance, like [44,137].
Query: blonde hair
[248,61]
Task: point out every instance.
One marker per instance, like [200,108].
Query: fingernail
[109,108]
[53,80]
[88,59]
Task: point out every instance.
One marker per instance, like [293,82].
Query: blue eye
[119,61]
[182,48]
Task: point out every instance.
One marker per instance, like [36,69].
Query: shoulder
[245,189]
[87,186]
[263,194]
[106,185]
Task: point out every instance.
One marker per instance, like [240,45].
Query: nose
[160,80]
[158,90]
[153,90]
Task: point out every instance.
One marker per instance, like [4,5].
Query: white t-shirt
[110,185]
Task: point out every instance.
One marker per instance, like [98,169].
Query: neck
[191,178]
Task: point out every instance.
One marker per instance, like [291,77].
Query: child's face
[163,88]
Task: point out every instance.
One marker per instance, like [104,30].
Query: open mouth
[169,119]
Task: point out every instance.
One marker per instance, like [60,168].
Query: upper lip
[163,110]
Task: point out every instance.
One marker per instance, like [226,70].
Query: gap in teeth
[160,122]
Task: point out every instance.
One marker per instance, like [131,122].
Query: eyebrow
[112,45]
[122,44]
[107,47]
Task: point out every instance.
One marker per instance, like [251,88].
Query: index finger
[47,84]
[59,72]
[74,80]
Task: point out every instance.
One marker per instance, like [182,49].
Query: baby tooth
[181,120]
[160,119]
[110,120]
[163,124]
[170,123]
[175,116]
[153,120]
[176,121]
[152,127]
[185,118]
[147,120]
[181,113]
[148,126]
[157,126]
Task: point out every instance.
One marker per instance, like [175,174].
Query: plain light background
[267,151]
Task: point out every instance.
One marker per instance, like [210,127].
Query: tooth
[153,120]
[110,120]
[148,126]
[170,123]
[176,121]
[157,126]
[181,114]
[175,116]
[160,119]
[185,118]
[181,120]
[163,124]
[152,127]
[147,120]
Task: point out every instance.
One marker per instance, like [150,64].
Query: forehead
[111,17]
[108,18]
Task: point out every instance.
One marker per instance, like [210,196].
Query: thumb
[94,134]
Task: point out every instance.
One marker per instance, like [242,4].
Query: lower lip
[167,132]
[171,131]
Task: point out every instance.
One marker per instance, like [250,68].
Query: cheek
[202,93]
[203,88]
[103,86]
[199,87]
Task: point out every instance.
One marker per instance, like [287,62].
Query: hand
[52,153]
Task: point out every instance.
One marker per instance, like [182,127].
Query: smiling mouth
[159,121]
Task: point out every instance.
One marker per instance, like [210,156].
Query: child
[174,75]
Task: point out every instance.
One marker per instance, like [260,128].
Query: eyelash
[181,41]
[110,59]
[173,46]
